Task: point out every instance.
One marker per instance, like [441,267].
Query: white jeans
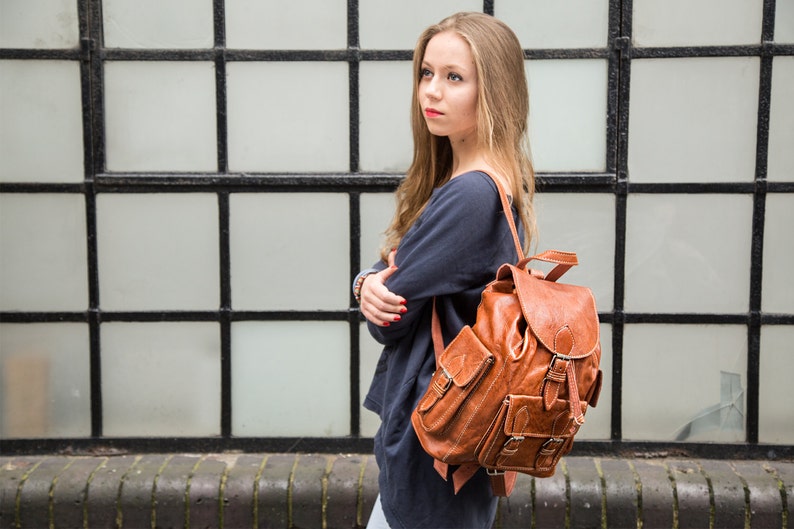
[377,520]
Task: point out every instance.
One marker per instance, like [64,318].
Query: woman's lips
[432,113]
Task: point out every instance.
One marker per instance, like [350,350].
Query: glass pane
[290,251]
[43,264]
[684,382]
[693,119]
[161,379]
[41,130]
[776,420]
[158,251]
[701,23]
[160,116]
[40,24]
[158,24]
[385,116]
[45,385]
[385,24]
[777,295]
[567,116]
[369,351]
[286,116]
[377,210]
[688,253]
[784,21]
[780,165]
[269,369]
[585,224]
[599,419]
[293,25]
[543,24]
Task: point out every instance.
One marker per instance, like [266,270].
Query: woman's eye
[454,77]
[426,73]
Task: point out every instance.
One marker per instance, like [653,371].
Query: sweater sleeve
[449,249]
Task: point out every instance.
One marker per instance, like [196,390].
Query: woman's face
[448,87]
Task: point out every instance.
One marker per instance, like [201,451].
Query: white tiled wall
[691,121]
[288,116]
[155,24]
[680,375]
[160,116]
[43,252]
[696,23]
[289,251]
[161,379]
[291,379]
[36,118]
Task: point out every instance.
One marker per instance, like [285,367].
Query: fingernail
[403,302]
[403,310]
[385,323]
[397,317]
[394,267]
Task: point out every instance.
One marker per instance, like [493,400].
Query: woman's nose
[432,89]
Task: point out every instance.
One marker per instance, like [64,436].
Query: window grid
[614,180]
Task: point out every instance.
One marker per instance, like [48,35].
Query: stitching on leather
[471,415]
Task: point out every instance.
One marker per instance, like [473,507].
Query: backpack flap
[562,317]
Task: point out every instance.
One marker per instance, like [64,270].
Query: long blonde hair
[502,113]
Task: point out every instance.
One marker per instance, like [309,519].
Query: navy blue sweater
[451,252]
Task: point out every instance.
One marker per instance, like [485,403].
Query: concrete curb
[232,490]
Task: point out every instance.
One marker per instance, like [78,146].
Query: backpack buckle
[441,390]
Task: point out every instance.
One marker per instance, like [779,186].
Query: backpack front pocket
[518,438]
[461,368]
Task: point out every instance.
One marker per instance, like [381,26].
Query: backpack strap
[502,483]
[438,340]
[508,211]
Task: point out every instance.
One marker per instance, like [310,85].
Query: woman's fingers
[378,304]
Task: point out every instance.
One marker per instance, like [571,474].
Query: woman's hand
[378,304]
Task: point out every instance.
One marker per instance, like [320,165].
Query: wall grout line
[221,494]
[119,513]
[783,495]
[329,465]
[712,501]
[638,487]
[746,487]
[255,502]
[564,468]
[51,494]
[290,490]
[360,492]
[671,477]
[86,488]
[187,490]
[18,499]
[154,489]
[603,484]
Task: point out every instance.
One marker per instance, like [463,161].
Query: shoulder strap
[435,328]
[509,216]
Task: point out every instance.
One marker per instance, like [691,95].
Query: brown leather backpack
[510,392]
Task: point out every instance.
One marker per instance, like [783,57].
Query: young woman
[446,241]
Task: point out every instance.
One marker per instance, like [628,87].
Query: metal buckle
[553,440]
[443,389]
[513,439]
[494,472]
[449,378]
